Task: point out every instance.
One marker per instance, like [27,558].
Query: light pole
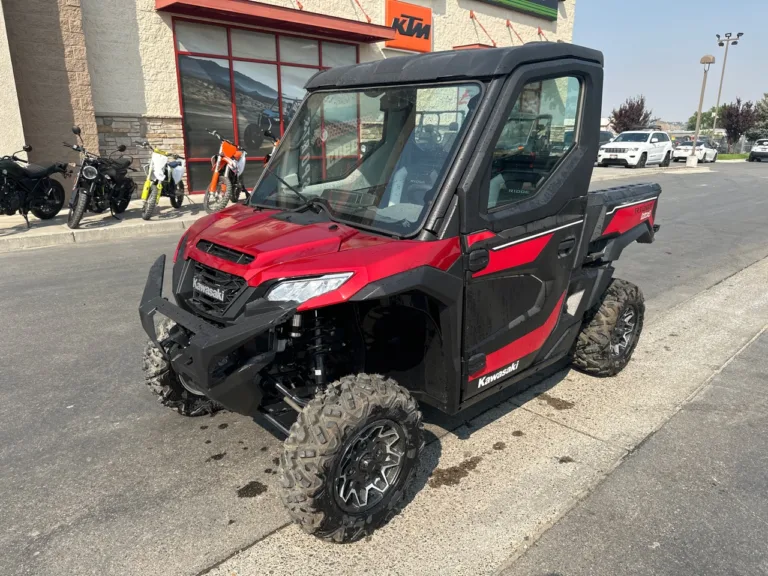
[692,159]
[726,41]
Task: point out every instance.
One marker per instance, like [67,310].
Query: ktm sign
[412,25]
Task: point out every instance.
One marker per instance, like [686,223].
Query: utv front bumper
[202,347]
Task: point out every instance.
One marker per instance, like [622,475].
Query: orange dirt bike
[226,183]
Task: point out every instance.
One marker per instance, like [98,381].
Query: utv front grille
[213,290]
[224,253]
[614,150]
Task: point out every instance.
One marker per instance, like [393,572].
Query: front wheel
[164,382]
[77,209]
[642,161]
[611,330]
[217,199]
[349,457]
[150,203]
[52,203]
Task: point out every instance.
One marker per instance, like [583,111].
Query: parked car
[333,305]
[759,151]
[636,148]
[705,151]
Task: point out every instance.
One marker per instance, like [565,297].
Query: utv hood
[284,245]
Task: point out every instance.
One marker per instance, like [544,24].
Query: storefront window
[241,82]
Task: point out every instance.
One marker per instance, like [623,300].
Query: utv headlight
[302,290]
[90,173]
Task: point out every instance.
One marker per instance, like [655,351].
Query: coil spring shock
[316,341]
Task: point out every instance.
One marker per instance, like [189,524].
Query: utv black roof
[449,65]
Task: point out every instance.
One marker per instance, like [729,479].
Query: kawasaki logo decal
[210,291]
[491,378]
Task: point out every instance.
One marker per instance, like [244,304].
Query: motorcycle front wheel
[77,209]
[51,204]
[215,200]
[150,203]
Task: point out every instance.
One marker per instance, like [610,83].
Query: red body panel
[625,219]
[287,250]
[523,346]
[515,255]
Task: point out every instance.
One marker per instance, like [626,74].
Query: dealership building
[168,70]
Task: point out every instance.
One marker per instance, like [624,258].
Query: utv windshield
[373,158]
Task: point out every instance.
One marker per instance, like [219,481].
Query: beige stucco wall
[131,57]
[12,134]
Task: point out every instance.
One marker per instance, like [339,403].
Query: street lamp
[692,159]
[725,41]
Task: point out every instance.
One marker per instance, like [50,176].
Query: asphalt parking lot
[97,478]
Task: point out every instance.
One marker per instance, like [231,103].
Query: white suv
[636,148]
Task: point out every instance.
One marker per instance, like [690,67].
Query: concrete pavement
[96,478]
[691,500]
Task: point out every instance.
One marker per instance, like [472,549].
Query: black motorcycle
[25,187]
[101,183]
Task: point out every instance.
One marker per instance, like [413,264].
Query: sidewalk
[691,500]
[14,234]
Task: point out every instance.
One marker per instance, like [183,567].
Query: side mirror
[654,140]
[27,148]
[76,130]
[121,148]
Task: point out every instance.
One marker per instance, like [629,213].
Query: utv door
[522,217]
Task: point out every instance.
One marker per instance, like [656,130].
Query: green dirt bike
[165,177]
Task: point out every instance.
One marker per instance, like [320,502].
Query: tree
[706,119]
[631,114]
[760,129]
[737,119]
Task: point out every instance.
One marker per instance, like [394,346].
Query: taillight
[180,248]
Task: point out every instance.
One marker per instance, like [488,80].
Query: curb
[157,227]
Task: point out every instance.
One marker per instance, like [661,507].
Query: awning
[279,18]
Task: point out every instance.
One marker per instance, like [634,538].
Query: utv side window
[539,131]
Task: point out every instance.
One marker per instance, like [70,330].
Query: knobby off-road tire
[213,202]
[76,212]
[357,417]
[164,383]
[611,330]
[150,203]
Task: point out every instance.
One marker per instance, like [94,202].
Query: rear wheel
[611,330]
[349,457]
[77,210]
[215,200]
[665,162]
[177,198]
[150,203]
[166,385]
[51,203]
[714,159]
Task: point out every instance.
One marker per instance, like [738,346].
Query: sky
[653,47]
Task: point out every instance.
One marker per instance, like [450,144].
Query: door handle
[478,259]
[565,247]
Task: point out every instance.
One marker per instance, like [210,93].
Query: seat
[36,172]
[174,164]
[122,163]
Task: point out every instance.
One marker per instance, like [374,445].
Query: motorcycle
[101,183]
[164,178]
[226,183]
[26,187]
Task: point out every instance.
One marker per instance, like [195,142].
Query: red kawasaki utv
[431,267]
